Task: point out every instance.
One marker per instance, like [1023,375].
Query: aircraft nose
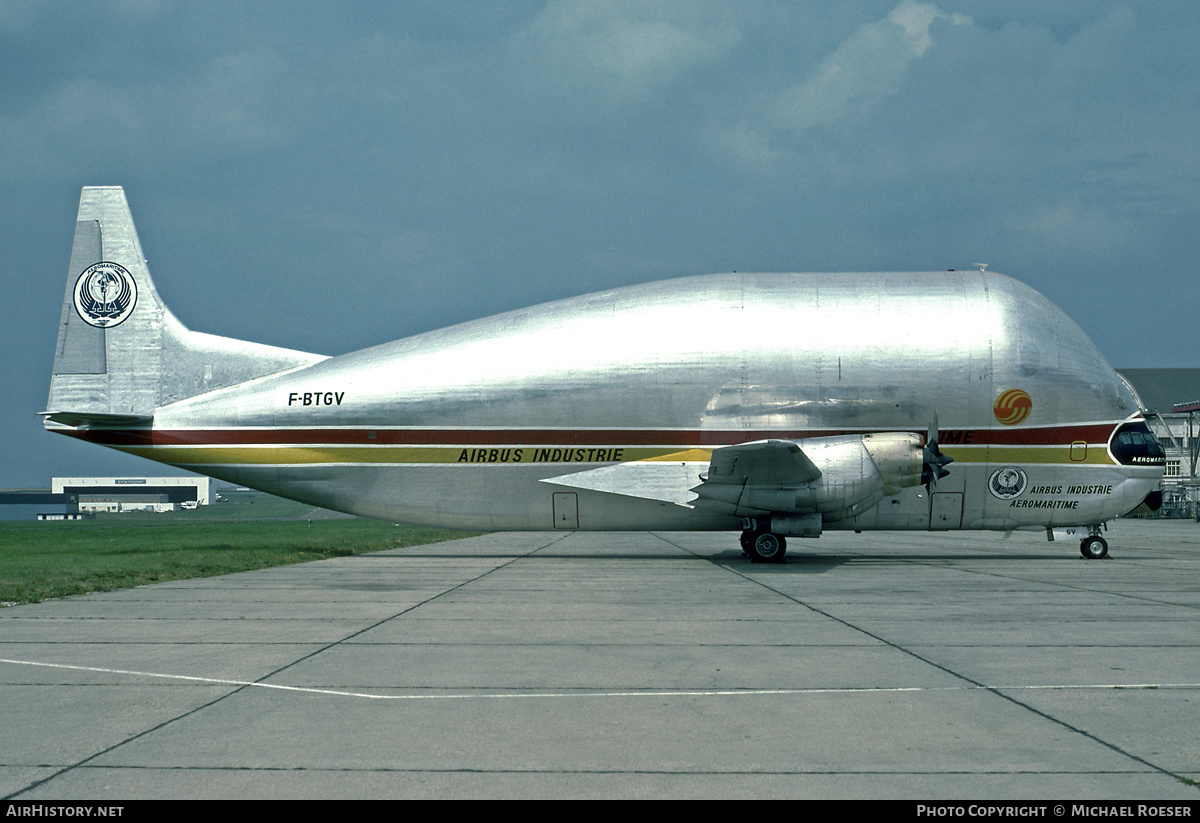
[1133,444]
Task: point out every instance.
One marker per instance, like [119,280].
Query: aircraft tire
[747,539]
[767,548]
[1093,548]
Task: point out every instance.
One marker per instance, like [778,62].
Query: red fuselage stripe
[1048,436]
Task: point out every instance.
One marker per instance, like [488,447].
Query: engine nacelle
[900,458]
[856,472]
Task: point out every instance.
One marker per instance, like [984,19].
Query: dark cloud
[329,176]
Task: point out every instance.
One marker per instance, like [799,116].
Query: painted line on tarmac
[217,681]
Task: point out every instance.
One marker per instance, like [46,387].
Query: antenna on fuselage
[982,266]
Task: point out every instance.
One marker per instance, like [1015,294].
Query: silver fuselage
[471,425]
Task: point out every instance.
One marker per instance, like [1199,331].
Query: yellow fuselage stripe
[1095,455]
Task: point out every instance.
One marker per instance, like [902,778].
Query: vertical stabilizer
[120,351]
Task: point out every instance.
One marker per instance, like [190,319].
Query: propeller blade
[935,461]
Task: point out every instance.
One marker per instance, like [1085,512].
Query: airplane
[774,405]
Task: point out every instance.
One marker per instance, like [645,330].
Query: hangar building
[123,494]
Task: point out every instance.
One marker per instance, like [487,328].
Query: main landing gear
[763,546]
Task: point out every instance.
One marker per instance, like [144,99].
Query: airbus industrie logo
[105,295]
[1012,407]
[1008,482]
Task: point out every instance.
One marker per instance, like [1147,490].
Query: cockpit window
[1134,444]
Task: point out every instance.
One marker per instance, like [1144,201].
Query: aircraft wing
[779,463]
[666,480]
[672,479]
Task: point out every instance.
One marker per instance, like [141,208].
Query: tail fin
[121,353]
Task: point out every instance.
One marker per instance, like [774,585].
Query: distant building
[1173,398]
[38,505]
[123,494]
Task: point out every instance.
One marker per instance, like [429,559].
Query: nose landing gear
[1093,547]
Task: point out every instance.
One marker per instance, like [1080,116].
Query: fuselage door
[566,510]
[945,510]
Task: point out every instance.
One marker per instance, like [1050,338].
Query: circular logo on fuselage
[1008,482]
[105,295]
[1012,407]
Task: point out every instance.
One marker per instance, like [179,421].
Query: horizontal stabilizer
[97,420]
[666,482]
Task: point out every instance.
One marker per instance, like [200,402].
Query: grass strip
[58,559]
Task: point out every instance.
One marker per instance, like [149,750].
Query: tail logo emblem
[105,295]
[1012,407]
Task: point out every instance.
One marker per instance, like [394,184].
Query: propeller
[933,470]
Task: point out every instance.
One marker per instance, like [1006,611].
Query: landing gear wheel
[747,539]
[1093,548]
[766,547]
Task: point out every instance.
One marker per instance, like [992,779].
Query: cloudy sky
[326,176]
